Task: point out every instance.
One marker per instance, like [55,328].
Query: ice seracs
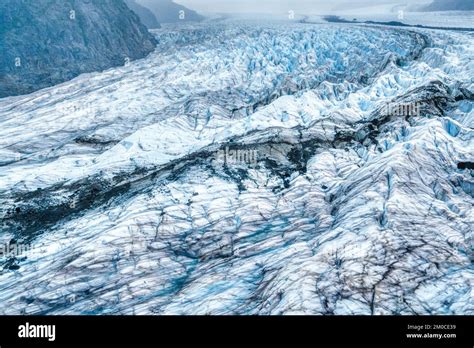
[348,210]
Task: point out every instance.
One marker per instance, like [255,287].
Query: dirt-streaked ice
[116,182]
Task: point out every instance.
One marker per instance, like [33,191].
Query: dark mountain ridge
[46,42]
[167,11]
[146,16]
[450,5]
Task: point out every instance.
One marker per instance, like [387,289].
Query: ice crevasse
[115,180]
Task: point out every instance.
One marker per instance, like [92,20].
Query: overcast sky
[300,6]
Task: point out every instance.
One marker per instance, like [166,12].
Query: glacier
[116,179]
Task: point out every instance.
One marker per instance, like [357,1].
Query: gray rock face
[46,42]
[450,5]
[167,11]
[146,16]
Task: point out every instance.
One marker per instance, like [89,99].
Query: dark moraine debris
[465,165]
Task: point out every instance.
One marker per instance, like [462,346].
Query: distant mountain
[146,16]
[167,11]
[46,42]
[450,5]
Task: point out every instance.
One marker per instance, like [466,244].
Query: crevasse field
[117,183]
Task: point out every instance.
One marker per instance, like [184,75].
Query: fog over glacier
[247,167]
[303,6]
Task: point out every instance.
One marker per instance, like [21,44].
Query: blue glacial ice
[114,178]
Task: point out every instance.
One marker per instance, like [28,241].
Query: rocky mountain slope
[450,5]
[167,11]
[146,16]
[46,42]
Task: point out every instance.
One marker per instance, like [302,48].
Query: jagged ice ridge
[113,177]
